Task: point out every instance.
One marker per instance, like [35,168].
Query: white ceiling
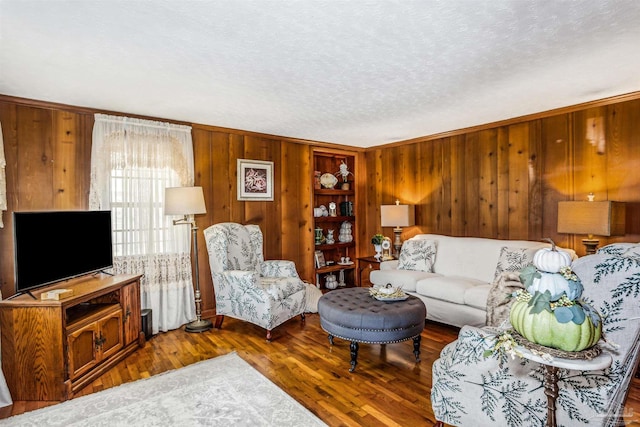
[360,73]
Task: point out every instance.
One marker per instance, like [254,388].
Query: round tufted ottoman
[352,314]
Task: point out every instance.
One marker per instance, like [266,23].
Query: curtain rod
[163,126]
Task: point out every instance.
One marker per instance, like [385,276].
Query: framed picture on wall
[255,180]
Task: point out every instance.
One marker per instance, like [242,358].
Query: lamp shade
[184,201]
[591,218]
[397,215]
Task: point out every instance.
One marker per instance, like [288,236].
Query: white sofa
[456,288]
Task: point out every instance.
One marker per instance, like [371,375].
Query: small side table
[367,263]
[602,361]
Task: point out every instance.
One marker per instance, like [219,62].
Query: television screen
[57,245]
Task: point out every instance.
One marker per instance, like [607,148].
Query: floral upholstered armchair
[266,293]
[470,389]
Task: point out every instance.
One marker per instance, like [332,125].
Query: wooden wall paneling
[235,143]
[518,181]
[35,159]
[590,165]
[472,185]
[69,167]
[9,120]
[390,183]
[360,232]
[423,184]
[296,189]
[441,209]
[534,168]
[502,177]
[488,183]
[430,169]
[373,186]
[623,149]
[203,177]
[556,161]
[458,184]
[406,188]
[266,214]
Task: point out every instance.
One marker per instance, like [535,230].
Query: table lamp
[397,216]
[591,218]
[189,201]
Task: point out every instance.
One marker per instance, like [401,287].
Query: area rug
[224,391]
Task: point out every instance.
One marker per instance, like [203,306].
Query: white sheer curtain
[132,162]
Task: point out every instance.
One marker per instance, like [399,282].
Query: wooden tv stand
[52,349]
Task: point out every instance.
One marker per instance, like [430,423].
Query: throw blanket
[499,302]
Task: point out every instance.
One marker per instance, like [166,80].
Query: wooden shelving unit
[327,161]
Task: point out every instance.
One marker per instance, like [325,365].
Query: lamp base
[397,243]
[591,245]
[201,325]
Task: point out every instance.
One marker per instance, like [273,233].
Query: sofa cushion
[477,296]
[407,280]
[513,260]
[449,288]
[417,255]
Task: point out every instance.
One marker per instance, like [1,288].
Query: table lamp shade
[184,201]
[592,218]
[397,215]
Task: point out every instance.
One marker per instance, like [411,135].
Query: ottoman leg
[354,355]
[416,347]
[330,339]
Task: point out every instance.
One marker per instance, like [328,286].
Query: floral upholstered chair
[470,389]
[266,293]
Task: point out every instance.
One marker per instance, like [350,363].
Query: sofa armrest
[389,265]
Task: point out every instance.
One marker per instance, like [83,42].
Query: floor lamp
[189,201]
[397,216]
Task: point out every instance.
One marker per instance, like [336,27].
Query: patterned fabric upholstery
[471,390]
[266,293]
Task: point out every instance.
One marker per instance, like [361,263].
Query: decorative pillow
[417,255]
[513,260]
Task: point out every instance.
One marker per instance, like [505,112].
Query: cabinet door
[110,334]
[84,348]
[132,313]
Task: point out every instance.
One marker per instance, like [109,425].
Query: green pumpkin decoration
[575,334]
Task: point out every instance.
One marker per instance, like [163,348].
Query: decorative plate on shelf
[328,180]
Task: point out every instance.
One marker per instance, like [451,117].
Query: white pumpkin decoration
[551,259]
[556,284]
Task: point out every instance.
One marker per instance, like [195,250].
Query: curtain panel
[132,162]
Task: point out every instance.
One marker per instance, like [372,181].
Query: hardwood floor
[387,388]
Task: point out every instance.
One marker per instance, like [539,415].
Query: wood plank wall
[501,181]
[48,147]
[505,181]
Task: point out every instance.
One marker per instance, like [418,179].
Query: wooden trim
[506,122]
[211,128]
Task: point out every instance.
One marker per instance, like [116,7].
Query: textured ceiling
[359,73]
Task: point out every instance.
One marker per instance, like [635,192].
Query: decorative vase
[318,236]
[378,249]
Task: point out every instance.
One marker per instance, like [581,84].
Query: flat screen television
[57,245]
